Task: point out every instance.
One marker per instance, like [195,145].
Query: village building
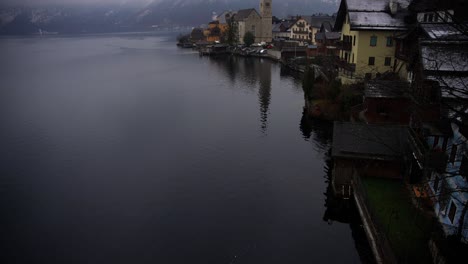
[366,150]
[259,24]
[367,30]
[305,27]
[327,41]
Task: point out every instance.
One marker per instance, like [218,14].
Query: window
[371,60]
[464,167]
[453,210]
[373,41]
[431,17]
[425,18]
[388,61]
[389,41]
[436,183]
[453,153]
[354,41]
[353,59]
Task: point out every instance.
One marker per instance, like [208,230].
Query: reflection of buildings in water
[345,211]
[321,131]
[264,94]
[247,73]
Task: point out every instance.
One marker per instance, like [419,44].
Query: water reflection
[264,94]
[256,74]
[344,211]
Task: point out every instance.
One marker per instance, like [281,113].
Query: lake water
[127,149]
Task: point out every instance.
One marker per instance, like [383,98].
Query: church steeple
[266,15]
[265,8]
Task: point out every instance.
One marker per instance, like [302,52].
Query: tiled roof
[386,89]
[365,141]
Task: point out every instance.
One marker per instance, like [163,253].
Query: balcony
[347,46]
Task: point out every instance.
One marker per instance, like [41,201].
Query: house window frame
[371,61]
[452,211]
[388,61]
[389,41]
[373,41]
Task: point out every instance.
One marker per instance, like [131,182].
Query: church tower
[266,14]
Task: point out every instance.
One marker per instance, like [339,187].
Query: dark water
[126,149]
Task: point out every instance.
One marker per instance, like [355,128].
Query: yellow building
[368,29]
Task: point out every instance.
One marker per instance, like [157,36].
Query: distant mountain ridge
[125,16]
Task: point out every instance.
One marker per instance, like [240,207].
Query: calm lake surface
[127,149]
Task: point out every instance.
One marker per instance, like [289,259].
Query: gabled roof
[371,15]
[365,141]
[244,13]
[326,27]
[225,16]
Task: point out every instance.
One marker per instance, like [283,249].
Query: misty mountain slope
[126,16]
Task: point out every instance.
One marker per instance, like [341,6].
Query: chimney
[393,7]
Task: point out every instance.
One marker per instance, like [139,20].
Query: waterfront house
[305,27]
[368,28]
[368,150]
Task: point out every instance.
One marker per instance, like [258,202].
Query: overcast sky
[39,2]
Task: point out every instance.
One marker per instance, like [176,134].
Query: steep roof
[244,14]
[372,15]
[326,27]
[365,141]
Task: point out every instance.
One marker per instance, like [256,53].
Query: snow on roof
[452,58]
[373,5]
[443,31]
[377,20]
[452,86]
